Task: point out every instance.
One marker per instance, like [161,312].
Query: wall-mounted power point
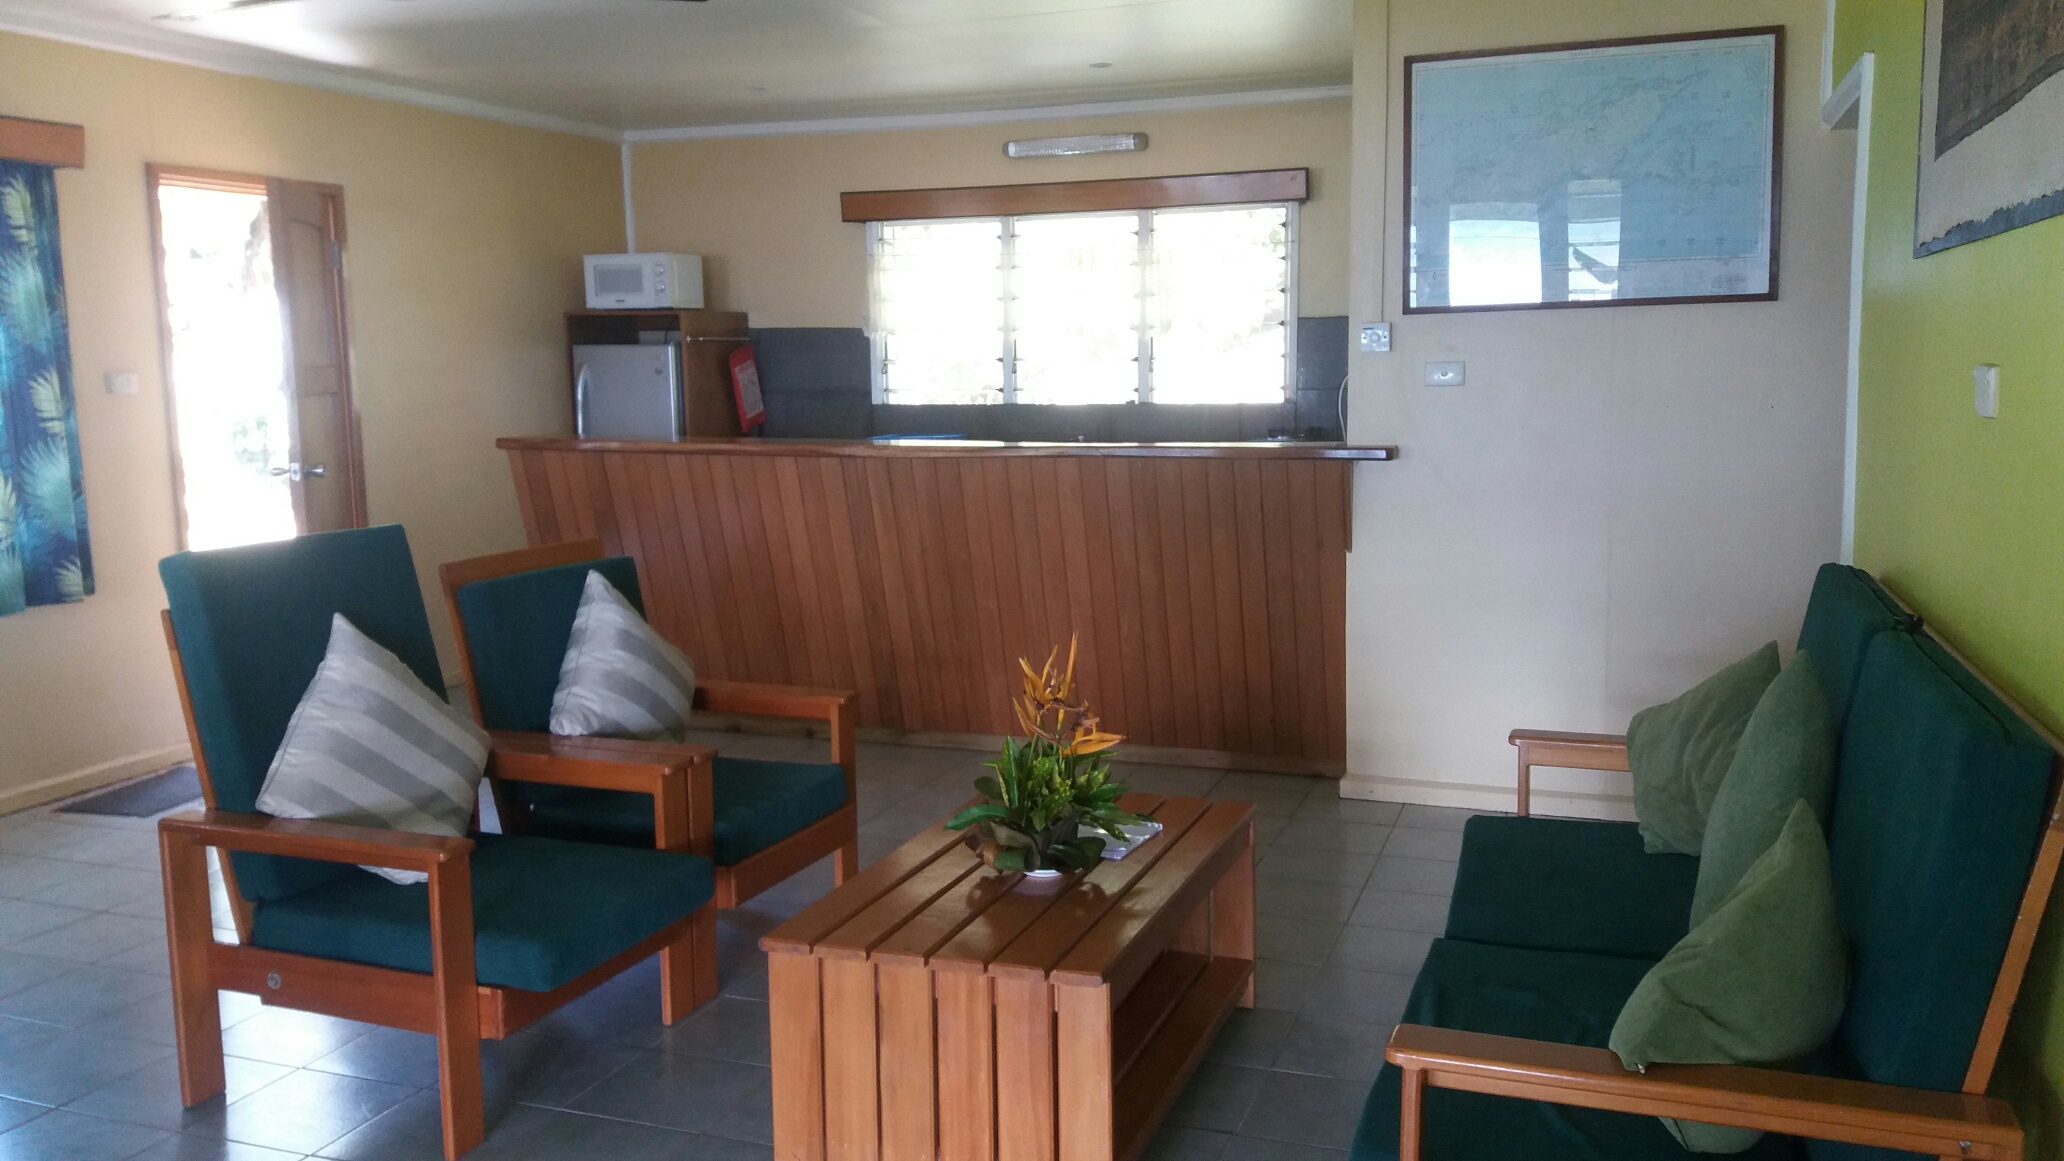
[1447,374]
[1375,338]
[121,382]
[1985,390]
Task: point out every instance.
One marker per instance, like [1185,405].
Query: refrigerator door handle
[580,402]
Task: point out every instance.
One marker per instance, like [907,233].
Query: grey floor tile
[94,937]
[1412,876]
[15,1113]
[398,1057]
[1304,899]
[751,1115]
[25,876]
[1271,794]
[106,846]
[83,994]
[1218,1097]
[746,983]
[293,1038]
[195,1147]
[54,1066]
[22,920]
[1304,941]
[535,1069]
[624,1011]
[96,888]
[1306,1110]
[1267,829]
[150,1095]
[690,1093]
[1380,949]
[1256,1149]
[1401,911]
[1175,781]
[1370,997]
[304,1111]
[1331,1046]
[1414,842]
[413,1130]
[726,1028]
[37,834]
[150,1019]
[1282,987]
[1182,1143]
[1342,867]
[63,1136]
[1252,1036]
[19,971]
[152,958]
[1332,834]
[1332,806]
[1436,817]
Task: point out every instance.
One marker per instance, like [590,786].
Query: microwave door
[628,392]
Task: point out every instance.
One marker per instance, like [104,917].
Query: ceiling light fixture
[1076,146]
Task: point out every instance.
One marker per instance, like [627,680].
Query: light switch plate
[1985,390]
[1447,374]
[121,382]
[1375,337]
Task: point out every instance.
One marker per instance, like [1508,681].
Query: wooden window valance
[42,142]
[1074,197]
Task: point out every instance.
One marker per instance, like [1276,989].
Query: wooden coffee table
[934,1008]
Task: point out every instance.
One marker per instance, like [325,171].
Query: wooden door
[307,222]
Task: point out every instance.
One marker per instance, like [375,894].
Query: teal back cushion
[252,624]
[1846,610]
[517,627]
[1939,804]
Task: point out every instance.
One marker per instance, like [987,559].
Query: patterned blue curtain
[44,557]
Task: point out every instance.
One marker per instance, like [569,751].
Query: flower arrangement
[1050,788]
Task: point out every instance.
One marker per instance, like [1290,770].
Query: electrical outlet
[1985,390]
[121,382]
[1375,338]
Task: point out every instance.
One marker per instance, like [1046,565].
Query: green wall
[1965,516]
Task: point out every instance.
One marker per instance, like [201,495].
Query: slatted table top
[932,903]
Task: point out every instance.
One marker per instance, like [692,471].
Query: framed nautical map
[1610,173]
[1992,113]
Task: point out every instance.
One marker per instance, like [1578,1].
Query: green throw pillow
[1680,750]
[1761,981]
[1787,754]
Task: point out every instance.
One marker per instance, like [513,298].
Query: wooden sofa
[1945,840]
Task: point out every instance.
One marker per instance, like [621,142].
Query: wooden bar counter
[1208,582]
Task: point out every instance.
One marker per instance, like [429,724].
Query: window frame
[877,344]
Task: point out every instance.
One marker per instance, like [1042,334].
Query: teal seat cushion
[1565,997]
[758,803]
[1847,609]
[252,625]
[544,911]
[1568,885]
[516,630]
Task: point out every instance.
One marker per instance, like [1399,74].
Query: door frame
[228,181]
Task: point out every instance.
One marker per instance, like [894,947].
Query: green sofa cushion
[1680,750]
[516,629]
[1787,755]
[1566,997]
[253,624]
[1757,982]
[758,803]
[1846,610]
[1940,802]
[544,911]
[1569,885]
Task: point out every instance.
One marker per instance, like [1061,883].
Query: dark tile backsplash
[816,385]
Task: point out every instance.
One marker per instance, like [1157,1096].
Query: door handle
[296,471]
[316,470]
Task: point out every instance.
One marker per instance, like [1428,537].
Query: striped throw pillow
[620,679]
[369,745]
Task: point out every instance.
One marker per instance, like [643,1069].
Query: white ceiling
[651,64]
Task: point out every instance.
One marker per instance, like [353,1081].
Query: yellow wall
[764,212]
[1621,500]
[464,248]
[1965,516]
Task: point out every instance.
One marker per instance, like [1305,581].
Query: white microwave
[644,282]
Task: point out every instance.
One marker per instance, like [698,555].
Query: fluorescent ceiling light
[1076,146]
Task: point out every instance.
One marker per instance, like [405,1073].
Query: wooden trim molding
[43,142]
[1072,197]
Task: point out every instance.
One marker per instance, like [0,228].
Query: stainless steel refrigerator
[628,391]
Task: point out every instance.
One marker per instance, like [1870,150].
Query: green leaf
[989,788]
[986,812]
[1011,859]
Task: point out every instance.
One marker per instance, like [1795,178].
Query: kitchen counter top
[962,448]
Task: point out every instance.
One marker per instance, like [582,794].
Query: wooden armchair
[507,928]
[513,612]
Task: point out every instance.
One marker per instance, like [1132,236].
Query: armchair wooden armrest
[327,842]
[838,707]
[1939,1124]
[678,777]
[1571,751]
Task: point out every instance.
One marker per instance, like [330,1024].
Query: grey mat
[144,797]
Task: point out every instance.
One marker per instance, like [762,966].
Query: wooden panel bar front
[1208,582]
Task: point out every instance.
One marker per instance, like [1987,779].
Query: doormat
[156,794]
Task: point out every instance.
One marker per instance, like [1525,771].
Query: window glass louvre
[1219,304]
[1074,285]
[939,311]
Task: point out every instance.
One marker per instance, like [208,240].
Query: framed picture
[1992,113]
[1609,173]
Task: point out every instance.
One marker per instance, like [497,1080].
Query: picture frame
[1561,176]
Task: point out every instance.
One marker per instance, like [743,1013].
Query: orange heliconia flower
[1049,712]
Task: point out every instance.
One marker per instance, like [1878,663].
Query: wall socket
[1375,338]
[121,382]
[1985,390]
